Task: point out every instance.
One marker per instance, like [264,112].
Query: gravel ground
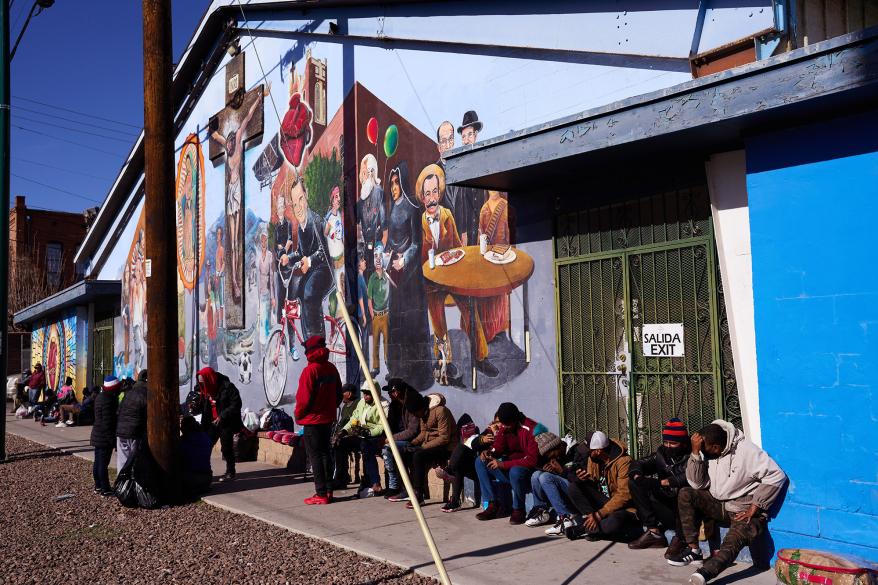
[91,539]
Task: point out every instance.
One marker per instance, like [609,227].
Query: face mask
[677,451]
[708,456]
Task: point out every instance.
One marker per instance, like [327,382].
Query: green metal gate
[102,350]
[620,267]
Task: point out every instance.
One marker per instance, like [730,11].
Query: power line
[22,98]
[15,109]
[32,131]
[48,166]
[62,127]
[92,199]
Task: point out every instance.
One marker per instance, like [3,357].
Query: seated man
[733,481]
[462,462]
[655,481]
[511,460]
[350,397]
[195,447]
[610,516]
[549,486]
[405,426]
[364,432]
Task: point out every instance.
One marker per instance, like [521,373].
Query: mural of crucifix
[233,130]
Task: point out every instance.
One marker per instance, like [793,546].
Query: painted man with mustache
[439,232]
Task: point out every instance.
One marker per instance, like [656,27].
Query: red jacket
[518,448]
[319,392]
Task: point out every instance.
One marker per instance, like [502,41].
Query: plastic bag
[145,499]
[21,412]
[251,421]
[125,491]
[280,421]
[264,419]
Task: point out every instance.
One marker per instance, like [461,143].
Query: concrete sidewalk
[475,552]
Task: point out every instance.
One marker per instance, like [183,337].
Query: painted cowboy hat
[432,169]
[471,118]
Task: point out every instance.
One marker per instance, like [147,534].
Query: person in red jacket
[317,399]
[512,459]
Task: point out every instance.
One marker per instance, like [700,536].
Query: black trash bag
[125,488]
[145,498]
[246,447]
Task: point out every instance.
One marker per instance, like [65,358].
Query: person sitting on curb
[511,460]
[732,481]
[609,516]
[222,414]
[70,412]
[195,448]
[436,440]
[462,462]
[366,430]
[350,397]
[549,486]
[131,425]
[103,434]
[405,426]
[66,397]
[655,482]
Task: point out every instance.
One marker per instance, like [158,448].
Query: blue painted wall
[813,202]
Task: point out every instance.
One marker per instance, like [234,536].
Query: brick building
[41,248]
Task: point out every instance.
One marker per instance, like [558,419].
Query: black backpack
[278,420]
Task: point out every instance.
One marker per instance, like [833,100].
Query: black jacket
[405,425]
[131,419]
[663,465]
[578,457]
[103,431]
[228,404]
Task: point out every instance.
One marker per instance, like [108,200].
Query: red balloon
[372,130]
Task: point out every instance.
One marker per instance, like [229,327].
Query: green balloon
[391,140]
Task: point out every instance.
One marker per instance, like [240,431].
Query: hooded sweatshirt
[437,428]
[367,416]
[742,475]
[319,392]
[517,446]
[615,471]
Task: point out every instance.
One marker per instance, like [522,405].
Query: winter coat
[228,404]
[319,392]
[517,447]
[742,475]
[37,380]
[103,431]
[616,472]
[345,411]
[131,418]
[367,416]
[404,424]
[579,458]
[663,465]
[437,428]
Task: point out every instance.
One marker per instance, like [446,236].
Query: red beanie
[675,430]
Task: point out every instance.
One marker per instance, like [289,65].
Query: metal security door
[619,267]
[102,350]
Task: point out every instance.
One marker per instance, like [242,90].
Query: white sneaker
[560,527]
[59,425]
[696,579]
[538,518]
[69,423]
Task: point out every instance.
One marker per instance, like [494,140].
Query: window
[54,251]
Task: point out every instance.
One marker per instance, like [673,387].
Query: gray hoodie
[743,474]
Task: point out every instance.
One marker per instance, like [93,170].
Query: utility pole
[4,206]
[161,268]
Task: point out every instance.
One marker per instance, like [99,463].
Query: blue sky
[86,57]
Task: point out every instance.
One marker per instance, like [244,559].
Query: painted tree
[321,175]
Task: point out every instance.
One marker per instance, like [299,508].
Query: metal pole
[400,466]
[4,206]
[161,283]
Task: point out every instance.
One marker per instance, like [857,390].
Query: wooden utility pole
[161,264]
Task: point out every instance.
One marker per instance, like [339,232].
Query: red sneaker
[317,500]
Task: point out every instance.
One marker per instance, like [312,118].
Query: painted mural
[54,346]
[130,338]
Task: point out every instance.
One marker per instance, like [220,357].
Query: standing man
[317,399]
[131,421]
[378,292]
[103,434]
[372,227]
[222,414]
[732,480]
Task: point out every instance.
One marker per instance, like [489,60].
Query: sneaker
[367,493]
[317,500]
[676,547]
[575,532]
[538,517]
[295,354]
[391,492]
[97,490]
[60,425]
[450,507]
[649,539]
[687,556]
[489,513]
[108,493]
[410,506]
[227,477]
[517,517]
[399,497]
[560,527]
[69,423]
[696,579]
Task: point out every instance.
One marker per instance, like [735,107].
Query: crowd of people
[589,488]
[35,399]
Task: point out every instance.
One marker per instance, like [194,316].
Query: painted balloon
[372,130]
[391,140]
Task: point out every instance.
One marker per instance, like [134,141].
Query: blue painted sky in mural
[86,57]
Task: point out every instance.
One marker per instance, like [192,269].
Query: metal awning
[81,293]
[710,114]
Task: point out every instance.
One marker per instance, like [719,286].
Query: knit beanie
[675,430]
[547,441]
[111,383]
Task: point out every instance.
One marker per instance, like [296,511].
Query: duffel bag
[800,566]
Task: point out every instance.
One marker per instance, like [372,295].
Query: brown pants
[436,308]
[698,505]
[379,328]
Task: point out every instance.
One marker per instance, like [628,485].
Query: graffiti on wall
[54,346]
[130,342]
[190,211]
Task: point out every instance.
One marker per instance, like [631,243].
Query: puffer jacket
[616,472]
[437,428]
[103,431]
[131,419]
[367,416]
[742,475]
[664,465]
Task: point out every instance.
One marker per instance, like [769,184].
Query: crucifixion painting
[233,130]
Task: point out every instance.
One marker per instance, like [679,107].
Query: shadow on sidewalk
[740,576]
[587,563]
[255,480]
[41,454]
[493,550]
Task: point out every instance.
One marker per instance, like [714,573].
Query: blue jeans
[394,482]
[550,490]
[517,477]
[369,449]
